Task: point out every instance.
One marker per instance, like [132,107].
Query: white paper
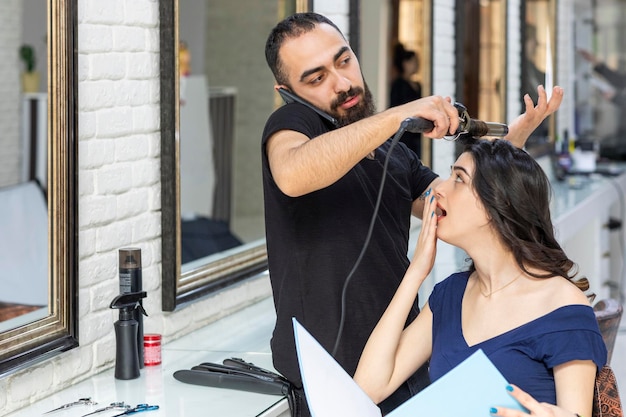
[468,390]
[329,390]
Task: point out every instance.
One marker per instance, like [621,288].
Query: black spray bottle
[126,357]
[131,281]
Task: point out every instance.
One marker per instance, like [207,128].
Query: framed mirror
[539,64]
[481,58]
[599,63]
[411,30]
[38,183]
[212,115]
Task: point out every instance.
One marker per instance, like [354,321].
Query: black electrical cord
[467,131]
[344,291]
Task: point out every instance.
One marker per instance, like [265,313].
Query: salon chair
[606,398]
[608,313]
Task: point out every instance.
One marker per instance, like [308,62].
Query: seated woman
[518,302]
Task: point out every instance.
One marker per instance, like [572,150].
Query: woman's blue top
[525,355]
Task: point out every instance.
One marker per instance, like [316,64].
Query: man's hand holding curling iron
[521,128]
[437,109]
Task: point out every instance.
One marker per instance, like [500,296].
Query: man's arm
[300,166]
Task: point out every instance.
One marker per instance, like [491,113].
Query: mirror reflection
[600,82]
[411,32]
[225,93]
[481,59]
[222,111]
[538,57]
[38,182]
[24,282]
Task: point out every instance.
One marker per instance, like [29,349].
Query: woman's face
[461,215]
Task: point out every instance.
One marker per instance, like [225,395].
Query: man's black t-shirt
[313,242]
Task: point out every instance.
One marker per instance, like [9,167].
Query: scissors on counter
[81,401]
[113,406]
[138,409]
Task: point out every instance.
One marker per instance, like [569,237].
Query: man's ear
[279,86]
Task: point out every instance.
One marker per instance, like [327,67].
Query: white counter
[581,214]
[245,334]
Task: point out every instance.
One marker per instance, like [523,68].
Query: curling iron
[467,125]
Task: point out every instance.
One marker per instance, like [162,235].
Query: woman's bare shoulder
[560,292]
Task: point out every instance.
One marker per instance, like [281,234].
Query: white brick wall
[514,58]
[565,73]
[119,186]
[10,94]
[443,75]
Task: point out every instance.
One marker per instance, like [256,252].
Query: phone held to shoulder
[289,97]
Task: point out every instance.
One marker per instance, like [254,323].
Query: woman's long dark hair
[516,195]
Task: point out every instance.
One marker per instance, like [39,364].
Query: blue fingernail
[493,410]
[427,193]
[432,198]
[509,388]
[432,213]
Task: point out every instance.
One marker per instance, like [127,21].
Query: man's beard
[365,108]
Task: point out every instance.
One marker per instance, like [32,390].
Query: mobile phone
[289,97]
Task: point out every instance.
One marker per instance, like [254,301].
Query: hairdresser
[321,182]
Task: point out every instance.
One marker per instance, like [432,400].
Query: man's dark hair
[291,27]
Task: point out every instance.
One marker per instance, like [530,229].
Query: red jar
[151,349]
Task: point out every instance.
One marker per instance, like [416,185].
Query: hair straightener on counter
[235,373]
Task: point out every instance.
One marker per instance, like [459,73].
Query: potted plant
[30,76]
